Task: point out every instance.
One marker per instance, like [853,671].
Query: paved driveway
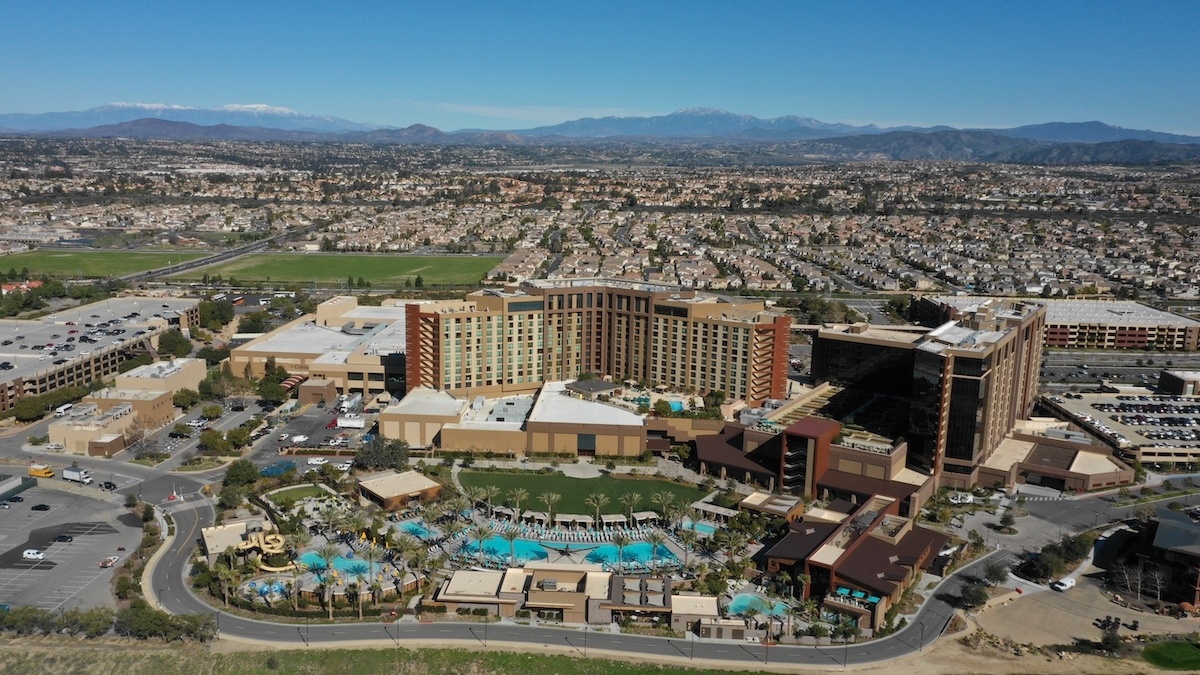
[1050,617]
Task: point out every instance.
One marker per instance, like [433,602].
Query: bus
[62,410]
[239,300]
[218,297]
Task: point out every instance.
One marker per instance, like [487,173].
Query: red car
[332,424]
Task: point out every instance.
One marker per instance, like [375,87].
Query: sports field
[380,270]
[91,264]
[575,490]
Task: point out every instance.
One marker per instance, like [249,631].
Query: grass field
[575,490]
[297,493]
[91,264]
[67,657]
[1173,655]
[381,270]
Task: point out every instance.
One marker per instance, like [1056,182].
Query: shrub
[480,611]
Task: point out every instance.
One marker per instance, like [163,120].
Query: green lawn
[575,490]
[1173,655]
[91,264]
[381,270]
[297,493]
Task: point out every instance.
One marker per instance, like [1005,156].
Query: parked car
[40,507]
[33,554]
[64,539]
[343,466]
[108,485]
[317,461]
[109,561]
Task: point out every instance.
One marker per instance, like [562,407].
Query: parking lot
[314,426]
[70,575]
[1140,419]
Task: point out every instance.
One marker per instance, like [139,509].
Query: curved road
[175,596]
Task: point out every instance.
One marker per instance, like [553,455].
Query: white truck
[77,475]
[351,422]
[299,439]
[351,404]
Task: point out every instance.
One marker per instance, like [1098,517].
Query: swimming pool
[699,526]
[530,550]
[346,567]
[416,529]
[676,406]
[749,603]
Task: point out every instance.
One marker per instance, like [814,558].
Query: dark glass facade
[883,369]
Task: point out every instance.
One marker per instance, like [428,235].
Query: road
[175,595]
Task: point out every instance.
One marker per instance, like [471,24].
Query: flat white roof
[305,338]
[695,605]
[393,484]
[472,583]
[427,401]
[1093,463]
[1125,312]
[554,404]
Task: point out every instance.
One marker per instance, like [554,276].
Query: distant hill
[1089,132]
[235,115]
[698,122]
[806,138]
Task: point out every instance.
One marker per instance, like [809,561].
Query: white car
[299,439]
[283,437]
[33,554]
[343,466]
[317,461]
[961,498]
[196,424]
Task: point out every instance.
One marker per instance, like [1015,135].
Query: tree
[420,282]
[688,538]
[596,500]
[213,355]
[620,540]
[1110,640]
[656,541]
[185,398]
[516,496]
[663,500]
[211,412]
[173,342]
[378,453]
[241,472]
[271,392]
[181,430]
[328,554]
[490,492]
[550,499]
[630,501]
[662,408]
[212,442]
[995,572]
[481,533]
[1007,519]
[973,595]
[511,536]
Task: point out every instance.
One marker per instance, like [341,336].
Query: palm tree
[328,553]
[355,524]
[735,543]
[662,500]
[803,580]
[620,540]
[296,543]
[518,495]
[228,578]
[457,505]
[481,533]
[597,500]
[688,538]
[269,582]
[630,500]
[434,513]
[475,493]
[511,536]
[453,528]
[793,612]
[490,492]
[550,499]
[326,516]
[655,539]
[371,555]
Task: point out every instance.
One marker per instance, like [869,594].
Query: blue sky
[512,65]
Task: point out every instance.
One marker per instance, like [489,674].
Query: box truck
[77,475]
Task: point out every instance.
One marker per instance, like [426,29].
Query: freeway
[170,586]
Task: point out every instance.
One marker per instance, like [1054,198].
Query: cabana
[612,520]
[643,517]
[535,517]
[505,511]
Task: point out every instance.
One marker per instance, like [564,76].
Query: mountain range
[1055,142]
